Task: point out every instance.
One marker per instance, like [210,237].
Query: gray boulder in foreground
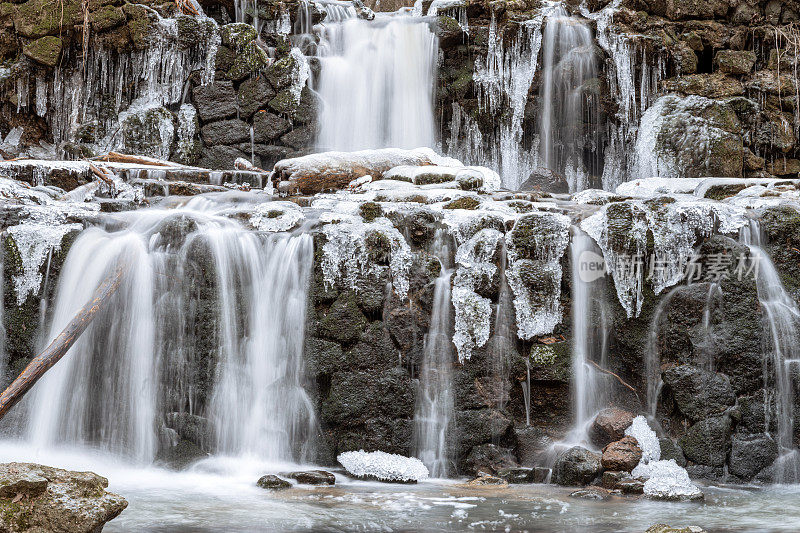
[37,499]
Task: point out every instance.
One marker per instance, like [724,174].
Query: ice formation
[353,249]
[383,466]
[535,246]
[471,178]
[647,439]
[276,216]
[666,480]
[475,260]
[675,222]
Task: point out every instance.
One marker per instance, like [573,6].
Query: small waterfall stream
[781,354]
[589,387]
[138,366]
[377,84]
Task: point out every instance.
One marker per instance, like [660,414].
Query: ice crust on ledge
[276,216]
[383,466]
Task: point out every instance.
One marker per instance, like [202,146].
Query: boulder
[225,132]
[750,454]
[272,482]
[268,126]
[699,393]
[707,442]
[735,61]
[591,493]
[215,101]
[609,425]
[522,474]
[220,157]
[254,94]
[623,482]
[576,466]
[671,450]
[488,480]
[41,498]
[312,477]
[622,455]
[489,459]
[532,443]
[545,180]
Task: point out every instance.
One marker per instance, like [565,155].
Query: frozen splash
[377,84]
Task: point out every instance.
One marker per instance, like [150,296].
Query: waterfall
[589,336]
[568,63]
[781,354]
[434,410]
[377,84]
[203,299]
[433,413]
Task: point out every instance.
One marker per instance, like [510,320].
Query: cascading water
[589,386]
[781,355]
[567,105]
[138,365]
[377,83]
[434,410]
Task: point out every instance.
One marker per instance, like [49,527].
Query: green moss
[15,514]
[249,59]
[720,192]
[284,102]
[274,213]
[139,24]
[37,18]
[45,50]
[521,206]
[106,18]
[379,248]
[369,211]
[448,24]
[466,202]
[429,178]
[237,35]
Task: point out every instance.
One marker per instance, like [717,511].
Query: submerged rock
[488,480]
[576,466]
[41,498]
[273,482]
[313,477]
[591,493]
[382,466]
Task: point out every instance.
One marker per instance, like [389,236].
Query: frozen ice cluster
[350,251]
[383,466]
[666,480]
[675,222]
[276,216]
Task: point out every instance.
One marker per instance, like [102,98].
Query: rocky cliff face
[682,89]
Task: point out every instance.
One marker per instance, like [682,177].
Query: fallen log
[116,157]
[61,344]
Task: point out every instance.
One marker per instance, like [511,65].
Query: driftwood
[61,344]
[103,175]
[116,157]
[622,381]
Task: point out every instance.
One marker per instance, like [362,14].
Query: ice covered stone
[666,480]
[383,466]
[276,216]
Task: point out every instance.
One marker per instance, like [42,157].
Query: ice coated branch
[61,344]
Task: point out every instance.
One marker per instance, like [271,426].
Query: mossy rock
[37,18]
[237,35]
[106,18]
[139,24]
[465,202]
[379,247]
[344,321]
[45,50]
[285,102]
[720,192]
[149,132]
[430,178]
[282,72]
[251,58]
[369,211]
[193,32]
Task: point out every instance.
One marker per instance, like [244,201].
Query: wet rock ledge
[38,499]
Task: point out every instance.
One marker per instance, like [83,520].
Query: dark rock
[671,450]
[707,442]
[215,101]
[532,444]
[545,180]
[253,95]
[323,356]
[181,455]
[750,454]
[622,455]
[225,132]
[299,138]
[489,459]
[312,477]
[274,482]
[344,321]
[520,474]
[699,393]
[609,425]
[267,127]
[576,466]
[479,426]
[221,157]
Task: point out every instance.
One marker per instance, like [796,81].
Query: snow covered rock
[382,466]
